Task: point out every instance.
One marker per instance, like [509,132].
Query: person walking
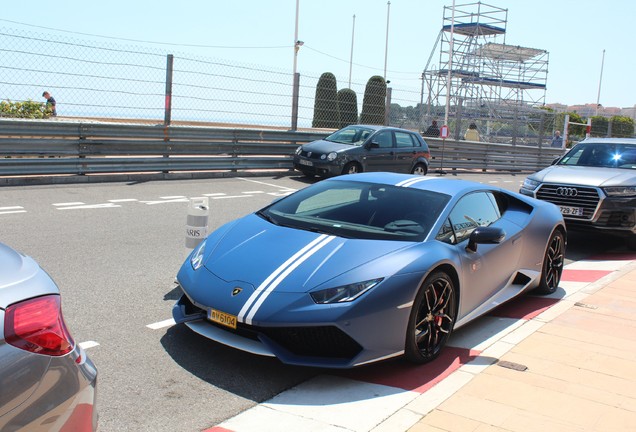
[472,134]
[50,103]
[557,140]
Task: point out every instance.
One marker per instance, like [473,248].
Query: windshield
[359,210]
[614,155]
[354,135]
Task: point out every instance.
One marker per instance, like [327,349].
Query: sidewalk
[564,362]
[575,373]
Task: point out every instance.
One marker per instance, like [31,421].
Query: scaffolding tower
[486,81]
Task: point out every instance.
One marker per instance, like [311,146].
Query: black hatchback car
[362,148]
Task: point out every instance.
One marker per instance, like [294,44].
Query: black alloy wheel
[553,262]
[432,318]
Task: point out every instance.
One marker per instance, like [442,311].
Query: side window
[446,234]
[472,211]
[403,139]
[384,139]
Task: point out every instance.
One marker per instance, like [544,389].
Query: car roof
[381,127]
[436,184]
[608,141]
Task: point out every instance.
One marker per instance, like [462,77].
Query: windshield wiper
[267,217]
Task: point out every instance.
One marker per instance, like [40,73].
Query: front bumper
[609,214]
[318,167]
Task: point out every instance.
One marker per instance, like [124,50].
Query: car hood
[586,176]
[322,146]
[257,252]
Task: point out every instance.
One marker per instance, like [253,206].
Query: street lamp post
[296,76]
[353,32]
[386,44]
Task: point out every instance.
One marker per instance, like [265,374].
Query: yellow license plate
[222,318]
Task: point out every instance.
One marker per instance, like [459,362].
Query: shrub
[326,103]
[27,109]
[373,104]
[347,107]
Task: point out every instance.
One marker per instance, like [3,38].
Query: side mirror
[485,235]
[372,145]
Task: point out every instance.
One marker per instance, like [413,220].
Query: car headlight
[332,156]
[620,191]
[196,259]
[299,150]
[344,293]
[528,183]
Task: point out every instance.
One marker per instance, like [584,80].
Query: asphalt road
[114,250]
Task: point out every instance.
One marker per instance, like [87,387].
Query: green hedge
[28,109]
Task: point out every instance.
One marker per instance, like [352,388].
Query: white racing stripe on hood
[273,280]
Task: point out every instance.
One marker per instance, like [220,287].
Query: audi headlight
[196,259]
[528,183]
[299,150]
[344,293]
[620,191]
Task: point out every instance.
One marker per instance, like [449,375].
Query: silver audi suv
[594,185]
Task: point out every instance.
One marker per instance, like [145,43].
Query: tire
[352,168]
[419,169]
[553,261]
[432,318]
[631,242]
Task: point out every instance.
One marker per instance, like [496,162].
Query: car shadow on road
[253,377]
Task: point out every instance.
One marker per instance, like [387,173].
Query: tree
[326,103]
[373,104]
[599,126]
[347,107]
[622,126]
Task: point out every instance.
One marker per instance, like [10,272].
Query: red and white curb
[393,396]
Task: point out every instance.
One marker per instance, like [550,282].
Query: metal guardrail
[78,148]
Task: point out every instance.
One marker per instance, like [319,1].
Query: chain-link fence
[115,81]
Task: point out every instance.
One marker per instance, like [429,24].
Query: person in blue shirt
[557,140]
[50,102]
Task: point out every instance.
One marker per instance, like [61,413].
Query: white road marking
[285,193]
[68,203]
[161,324]
[266,184]
[90,206]
[214,194]
[123,200]
[88,344]
[172,197]
[13,211]
[231,196]
[12,208]
[166,201]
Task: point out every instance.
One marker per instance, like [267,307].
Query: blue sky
[261,32]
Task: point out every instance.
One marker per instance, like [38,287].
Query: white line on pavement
[68,203]
[238,196]
[13,211]
[178,200]
[90,206]
[172,197]
[214,194]
[123,200]
[161,324]
[12,208]
[88,344]
[266,184]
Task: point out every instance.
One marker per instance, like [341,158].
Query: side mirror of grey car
[372,145]
[485,235]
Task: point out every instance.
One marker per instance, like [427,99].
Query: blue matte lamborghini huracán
[367,267]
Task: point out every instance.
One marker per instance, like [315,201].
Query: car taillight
[37,325]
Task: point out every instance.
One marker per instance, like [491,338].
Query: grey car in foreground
[594,185]
[364,148]
[47,383]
